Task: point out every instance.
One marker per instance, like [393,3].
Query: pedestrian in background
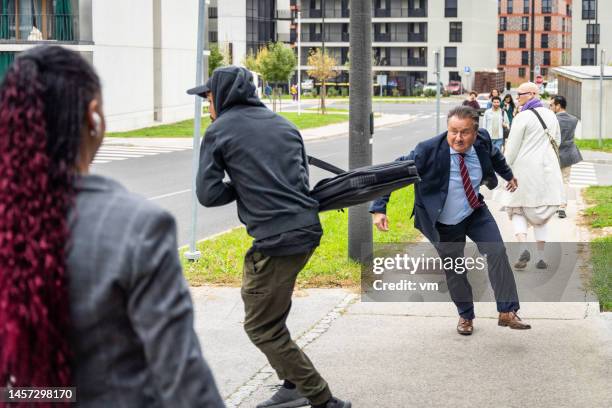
[531,151]
[294,92]
[494,92]
[509,107]
[496,122]
[268,92]
[92,294]
[471,101]
[264,156]
[568,151]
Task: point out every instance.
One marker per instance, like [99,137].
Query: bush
[429,93]
[396,92]
[344,91]
[332,92]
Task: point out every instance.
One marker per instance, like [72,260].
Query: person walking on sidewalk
[509,107]
[471,101]
[294,92]
[92,294]
[568,151]
[448,208]
[264,157]
[496,122]
[494,93]
[532,152]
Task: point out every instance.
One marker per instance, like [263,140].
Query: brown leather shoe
[511,320]
[465,326]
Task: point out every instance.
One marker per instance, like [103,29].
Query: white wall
[579,29]
[590,109]
[232,27]
[123,57]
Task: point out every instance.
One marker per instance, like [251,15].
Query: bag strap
[324,165]
[552,141]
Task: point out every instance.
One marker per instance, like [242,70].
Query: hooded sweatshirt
[263,154]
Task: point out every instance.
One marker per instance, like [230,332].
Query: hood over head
[231,86]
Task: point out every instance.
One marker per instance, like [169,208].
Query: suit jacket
[568,151]
[432,159]
[132,318]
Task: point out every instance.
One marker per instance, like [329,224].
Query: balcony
[329,37]
[399,12]
[400,37]
[38,27]
[329,13]
[382,37]
[284,15]
[400,61]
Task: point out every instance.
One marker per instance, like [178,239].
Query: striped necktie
[467,184]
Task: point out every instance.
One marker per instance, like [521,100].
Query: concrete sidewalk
[594,156]
[409,355]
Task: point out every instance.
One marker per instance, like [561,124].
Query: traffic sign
[539,79]
[381,80]
[467,70]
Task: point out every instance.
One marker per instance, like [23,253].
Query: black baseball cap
[201,90]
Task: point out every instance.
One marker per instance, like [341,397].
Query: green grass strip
[600,215]
[593,144]
[185,128]
[601,284]
[222,257]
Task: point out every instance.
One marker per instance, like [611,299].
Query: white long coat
[533,161]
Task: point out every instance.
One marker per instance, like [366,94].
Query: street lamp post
[193,254]
[602,60]
[299,61]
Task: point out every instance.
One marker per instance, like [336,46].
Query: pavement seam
[319,328]
[454,317]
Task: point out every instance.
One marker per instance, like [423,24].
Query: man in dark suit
[448,208]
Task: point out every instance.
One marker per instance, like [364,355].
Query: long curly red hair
[43,102]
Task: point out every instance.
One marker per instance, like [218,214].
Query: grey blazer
[132,318]
[568,151]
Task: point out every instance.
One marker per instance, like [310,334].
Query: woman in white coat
[530,153]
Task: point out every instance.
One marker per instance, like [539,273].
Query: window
[455,32]
[36,20]
[547,23]
[502,58]
[547,6]
[454,76]
[544,71]
[546,58]
[510,7]
[589,9]
[525,23]
[503,23]
[587,56]
[568,10]
[522,40]
[592,34]
[563,26]
[500,41]
[526,7]
[522,72]
[498,6]
[524,58]
[212,12]
[6,59]
[450,56]
[213,36]
[450,8]
[544,40]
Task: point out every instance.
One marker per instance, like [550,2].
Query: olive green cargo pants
[267,287]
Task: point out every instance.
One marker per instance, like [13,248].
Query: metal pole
[532,56]
[299,60]
[601,96]
[360,122]
[437,62]
[193,254]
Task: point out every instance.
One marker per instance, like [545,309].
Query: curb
[343,133]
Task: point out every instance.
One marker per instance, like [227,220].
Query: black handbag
[361,185]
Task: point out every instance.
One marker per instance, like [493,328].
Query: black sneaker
[562,214]
[336,403]
[285,398]
[523,259]
[541,264]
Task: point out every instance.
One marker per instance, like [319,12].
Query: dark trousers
[267,287]
[481,228]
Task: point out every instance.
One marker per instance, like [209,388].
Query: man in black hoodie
[263,155]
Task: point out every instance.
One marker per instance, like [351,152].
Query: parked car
[454,88]
[552,87]
[431,86]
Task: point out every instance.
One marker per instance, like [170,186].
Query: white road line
[103,157]
[112,154]
[170,194]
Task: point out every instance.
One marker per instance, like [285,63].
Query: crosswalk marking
[109,153]
[583,175]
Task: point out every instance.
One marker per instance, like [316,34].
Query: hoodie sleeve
[210,188]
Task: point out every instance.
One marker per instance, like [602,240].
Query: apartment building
[592,32]
[405,34]
[247,25]
[552,45]
[143,50]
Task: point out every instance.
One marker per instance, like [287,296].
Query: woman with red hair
[91,289]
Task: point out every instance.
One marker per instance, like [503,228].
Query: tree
[276,64]
[216,59]
[250,62]
[323,68]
